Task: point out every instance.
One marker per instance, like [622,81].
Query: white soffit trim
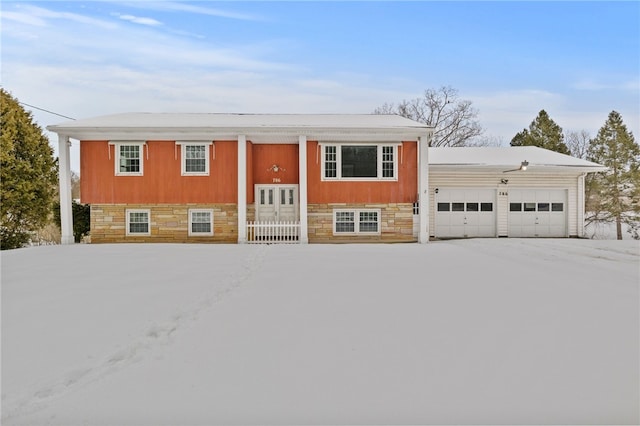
[260,128]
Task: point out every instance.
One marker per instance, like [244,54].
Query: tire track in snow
[38,398]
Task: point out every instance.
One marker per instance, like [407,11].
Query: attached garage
[465,213]
[506,192]
[538,213]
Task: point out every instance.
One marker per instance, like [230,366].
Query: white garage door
[537,213]
[465,213]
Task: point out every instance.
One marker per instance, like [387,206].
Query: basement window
[138,222]
[356,222]
[200,222]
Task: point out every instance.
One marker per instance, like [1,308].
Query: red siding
[162,181]
[284,156]
[404,190]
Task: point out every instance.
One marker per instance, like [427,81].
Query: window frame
[183,157]
[128,222]
[380,159]
[118,144]
[356,221]
[200,234]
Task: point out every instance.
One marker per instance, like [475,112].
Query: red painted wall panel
[284,156]
[162,181]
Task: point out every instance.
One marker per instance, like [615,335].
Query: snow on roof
[504,157]
[258,128]
[211,120]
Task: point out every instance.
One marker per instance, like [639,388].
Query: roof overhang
[508,169]
[255,127]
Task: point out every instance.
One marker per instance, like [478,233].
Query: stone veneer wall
[169,223]
[396,223]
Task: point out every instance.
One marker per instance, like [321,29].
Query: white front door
[276,203]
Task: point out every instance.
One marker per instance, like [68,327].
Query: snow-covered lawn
[473,331]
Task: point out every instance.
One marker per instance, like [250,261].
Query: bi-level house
[153,177]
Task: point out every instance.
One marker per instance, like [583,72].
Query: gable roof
[507,157]
[255,126]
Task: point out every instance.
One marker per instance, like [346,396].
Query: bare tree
[453,119]
[578,143]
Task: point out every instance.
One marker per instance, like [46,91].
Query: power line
[46,110]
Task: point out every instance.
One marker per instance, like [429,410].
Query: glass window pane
[201,222]
[443,207]
[195,159]
[359,161]
[330,162]
[368,222]
[138,222]
[472,207]
[486,207]
[130,158]
[515,207]
[387,162]
[529,207]
[345,222]
[543,207]
[457,207]
[291,197]
[283,197]
[557,207]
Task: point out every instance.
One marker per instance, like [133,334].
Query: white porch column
[64,179]
[242,189]
[423,188]
[302,170]
[581,205]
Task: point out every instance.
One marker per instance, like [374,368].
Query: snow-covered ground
[486,331]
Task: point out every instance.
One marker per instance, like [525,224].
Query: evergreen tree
[617,189]
[542,132]
[28,174]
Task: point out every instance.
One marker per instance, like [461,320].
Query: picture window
[359,162]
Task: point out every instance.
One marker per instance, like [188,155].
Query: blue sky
[576,60]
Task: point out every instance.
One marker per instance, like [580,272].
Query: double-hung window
[200,222]
[195,158]
[129,159]
[138,222]
[359,162]
[356,221]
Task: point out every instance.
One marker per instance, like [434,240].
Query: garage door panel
[537,213]
[462,213]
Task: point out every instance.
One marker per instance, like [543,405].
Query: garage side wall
[461,179]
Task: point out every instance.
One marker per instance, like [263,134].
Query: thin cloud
[172,6]
[43,14]
[24,18]
[590,84]
[139,20]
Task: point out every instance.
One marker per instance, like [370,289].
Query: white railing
[273,232]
